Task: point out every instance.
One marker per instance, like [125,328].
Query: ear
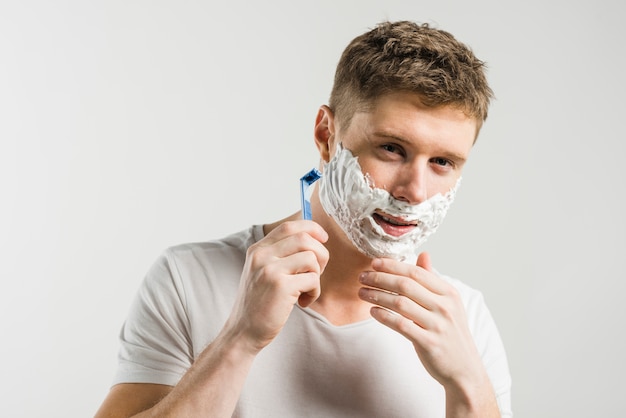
[324,131]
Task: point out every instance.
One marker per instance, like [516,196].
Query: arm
[128,399]
[430,313]
[213,383]
[279,271]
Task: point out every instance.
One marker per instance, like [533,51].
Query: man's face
[410,150]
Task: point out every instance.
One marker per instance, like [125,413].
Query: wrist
[474,399]
[236,340]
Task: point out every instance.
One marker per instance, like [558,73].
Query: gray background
[130,126]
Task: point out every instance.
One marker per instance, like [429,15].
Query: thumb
[423,261]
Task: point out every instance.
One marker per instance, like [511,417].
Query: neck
[339,302]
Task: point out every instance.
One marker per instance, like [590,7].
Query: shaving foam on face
[306,189]
[351,199]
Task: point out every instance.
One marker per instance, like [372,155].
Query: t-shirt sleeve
[155,344]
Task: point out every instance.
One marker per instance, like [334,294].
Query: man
[341,315]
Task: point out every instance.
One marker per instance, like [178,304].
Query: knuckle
[268,271]
[455,295]
[256,255]
[403,325]
[405,285]
[437,327]
[288,228]
[400,303]
[446,308]
[252,249]
[302,237]
[372,278]
[415,274]
[310,260]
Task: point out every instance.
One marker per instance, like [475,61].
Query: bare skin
[413,152]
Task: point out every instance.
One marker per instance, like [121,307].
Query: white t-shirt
[312,368]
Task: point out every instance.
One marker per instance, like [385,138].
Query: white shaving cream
[350,198]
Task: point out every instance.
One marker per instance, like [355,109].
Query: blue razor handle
[306,182]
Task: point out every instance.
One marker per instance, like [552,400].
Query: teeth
[394,222]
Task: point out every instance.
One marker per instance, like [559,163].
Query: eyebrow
[447,154]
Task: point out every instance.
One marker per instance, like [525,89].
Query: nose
[410,183]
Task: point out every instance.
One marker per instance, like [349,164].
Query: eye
[442,164]
[441,161]
[392,148]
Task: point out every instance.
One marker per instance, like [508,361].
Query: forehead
[405,117]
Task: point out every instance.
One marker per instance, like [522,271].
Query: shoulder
[233,242]
[230,249]
[182,268]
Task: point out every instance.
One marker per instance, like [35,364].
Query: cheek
[441,184]
[380,177]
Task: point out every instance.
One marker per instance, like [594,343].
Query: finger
[399,323]
[399,304]
[304,280]
[290,228]
[419,274]
[300,262]
[423,261]
[398,285]
[312,282]
[303,243]
[290,245]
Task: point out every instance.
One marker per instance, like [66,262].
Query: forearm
[212,385]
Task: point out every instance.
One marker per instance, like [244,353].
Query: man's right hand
[282,269]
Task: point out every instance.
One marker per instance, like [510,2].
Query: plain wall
[130,126]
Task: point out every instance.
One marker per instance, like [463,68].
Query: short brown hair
[406,56]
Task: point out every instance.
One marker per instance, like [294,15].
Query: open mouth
[394,226]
